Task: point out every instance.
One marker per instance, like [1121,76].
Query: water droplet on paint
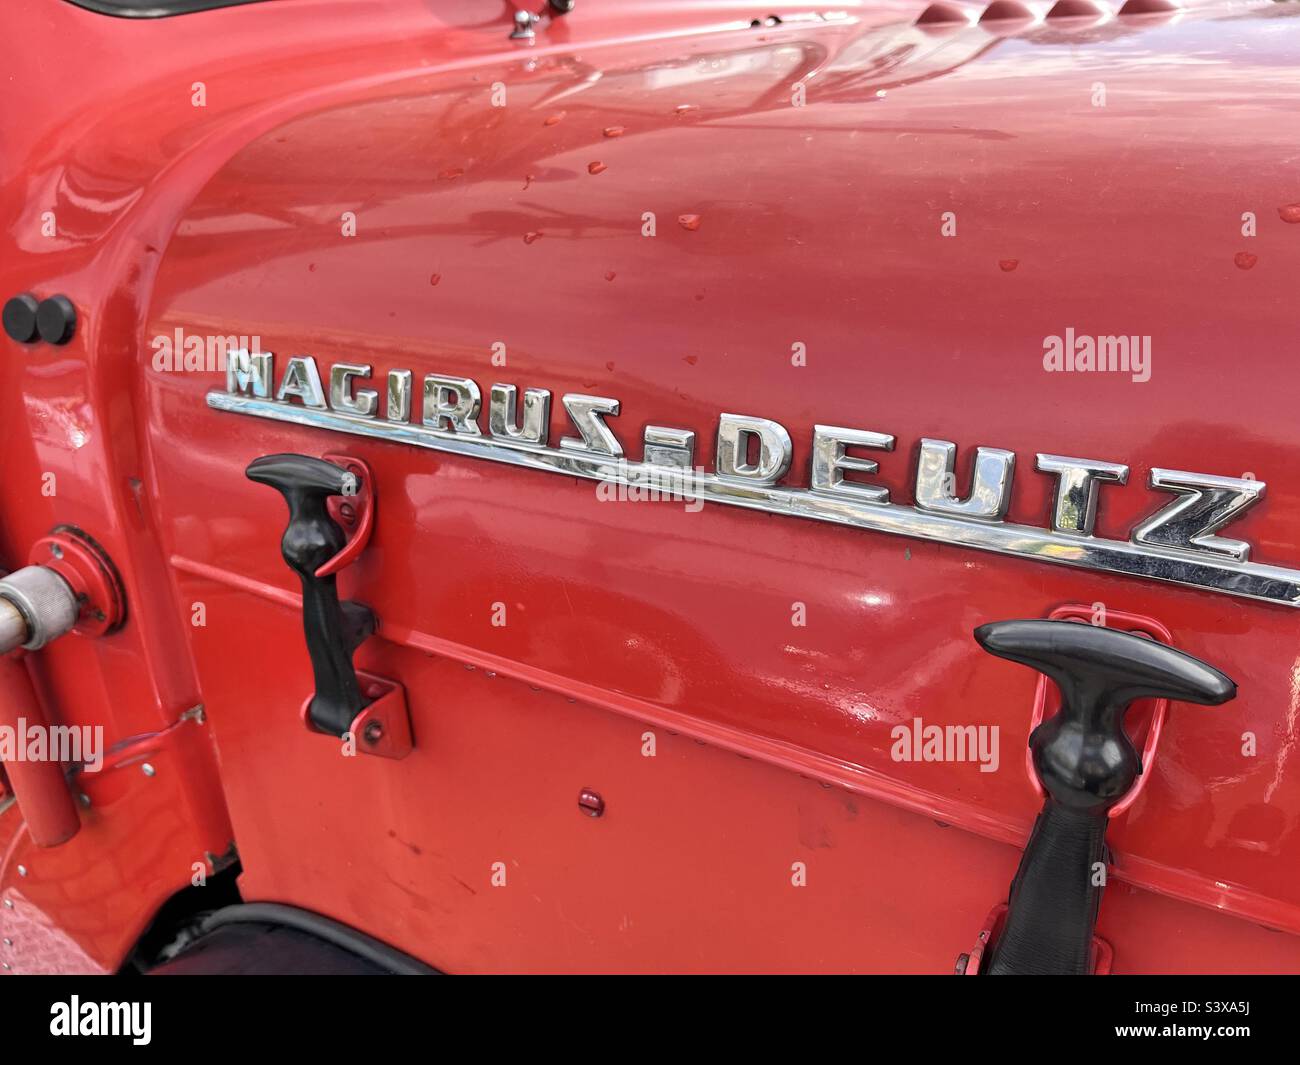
[682,109]
[1007,265]
[1245,260]
[532,238]
[1289,213]
[690,360]
[689,221]
[596,168]
[434,278]
[451,172]
[612,131]
[610,275]
[552,120]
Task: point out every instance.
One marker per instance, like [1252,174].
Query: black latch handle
[333,630]
[1086,763]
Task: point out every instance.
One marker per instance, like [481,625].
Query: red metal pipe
[40,787]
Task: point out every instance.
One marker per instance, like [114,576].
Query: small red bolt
[590,803]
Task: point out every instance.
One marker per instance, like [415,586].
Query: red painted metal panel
[817,225]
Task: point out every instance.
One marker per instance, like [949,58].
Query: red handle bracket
[355,514]
[384,727]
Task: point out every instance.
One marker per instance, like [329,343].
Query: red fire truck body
[653,734]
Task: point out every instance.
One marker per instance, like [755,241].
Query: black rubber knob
[20,318]
[1083,755]
[56,319]
[562,7]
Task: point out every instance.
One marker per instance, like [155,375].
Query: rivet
[4,965]
[148,770]
[22,870]
[590,803]
[9,904]
[374,732]
[8,942]
[84,799]
[56,550]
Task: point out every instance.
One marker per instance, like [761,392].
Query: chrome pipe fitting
[36,606]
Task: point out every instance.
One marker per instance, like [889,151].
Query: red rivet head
[590,803]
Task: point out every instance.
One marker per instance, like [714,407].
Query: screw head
[373,732]
[20,318]
[591,803]
[523,30]
[148,770]
[56,319]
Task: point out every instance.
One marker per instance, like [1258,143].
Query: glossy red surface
[818,224]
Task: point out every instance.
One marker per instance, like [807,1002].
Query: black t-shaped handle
[1083,755]
[1086,763]
[333,629]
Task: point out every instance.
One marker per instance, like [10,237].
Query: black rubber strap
[1054,897]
